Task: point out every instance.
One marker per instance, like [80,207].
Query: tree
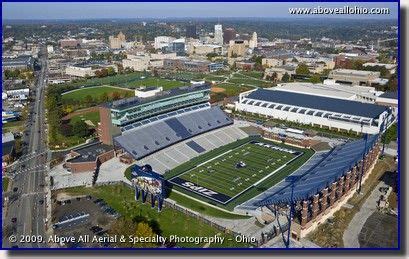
[391,134]
[89,100]
[66,129]
[144,230]
[274,76]
[80,129]
[110,71]
[104,97]
[125,227]
[210,56]
[116,95]
[315,79]
[302,69]
[286,77]
[257,59]
[120,68]
[358,64]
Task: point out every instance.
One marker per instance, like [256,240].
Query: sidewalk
[351,234]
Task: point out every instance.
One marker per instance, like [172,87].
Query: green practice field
[96,92]
[92,116]
[152,81]
[231,173]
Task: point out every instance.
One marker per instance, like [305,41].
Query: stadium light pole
[385,127]
[363,165]
[292,180]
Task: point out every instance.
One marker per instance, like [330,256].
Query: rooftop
[390,95]
[7,137]
[338,91]
[318,102]
[132,101]
[20,60]
[7,147]
[90,152]
[354,72]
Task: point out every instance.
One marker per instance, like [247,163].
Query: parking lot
[82,216]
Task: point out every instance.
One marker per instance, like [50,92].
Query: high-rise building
[162,41]
[117,42]
[229,34]
[218,34]
[191,31]
[178,46]
[253,41]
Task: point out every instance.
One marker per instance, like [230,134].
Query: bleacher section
[153,136]
[196,147]
[332,166]
[182,152]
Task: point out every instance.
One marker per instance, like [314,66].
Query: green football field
[224,175]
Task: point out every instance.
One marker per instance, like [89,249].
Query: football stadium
[214,160]
[229,174]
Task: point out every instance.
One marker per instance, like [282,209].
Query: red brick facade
[89,166]
[103,129]
[313,209]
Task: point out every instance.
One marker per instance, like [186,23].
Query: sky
[95,10]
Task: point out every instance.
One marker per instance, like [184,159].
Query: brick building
[89,157]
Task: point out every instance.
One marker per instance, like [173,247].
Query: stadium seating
[181,152]
[142,140]
[331,167]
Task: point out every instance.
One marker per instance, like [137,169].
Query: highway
[26,208]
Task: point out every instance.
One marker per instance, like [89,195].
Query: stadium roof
[390,95]
[334,165]
[132,101]
[318,103]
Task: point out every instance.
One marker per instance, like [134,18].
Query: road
[27,203]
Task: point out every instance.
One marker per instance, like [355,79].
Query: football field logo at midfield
[203,191]
[200,189]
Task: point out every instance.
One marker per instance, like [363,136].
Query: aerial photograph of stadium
[184,125]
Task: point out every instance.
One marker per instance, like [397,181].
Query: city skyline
[81,11]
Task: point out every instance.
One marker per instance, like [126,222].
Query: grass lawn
[214,78]
[92,116]
[330,235]
[249,81]
[64,142]
[202,208]
[194,205]
[109,80]
[187,75]
[233,89]
[13,126]
[170,221]
[152,81]
[95,92]
[255,74]
[5,183]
